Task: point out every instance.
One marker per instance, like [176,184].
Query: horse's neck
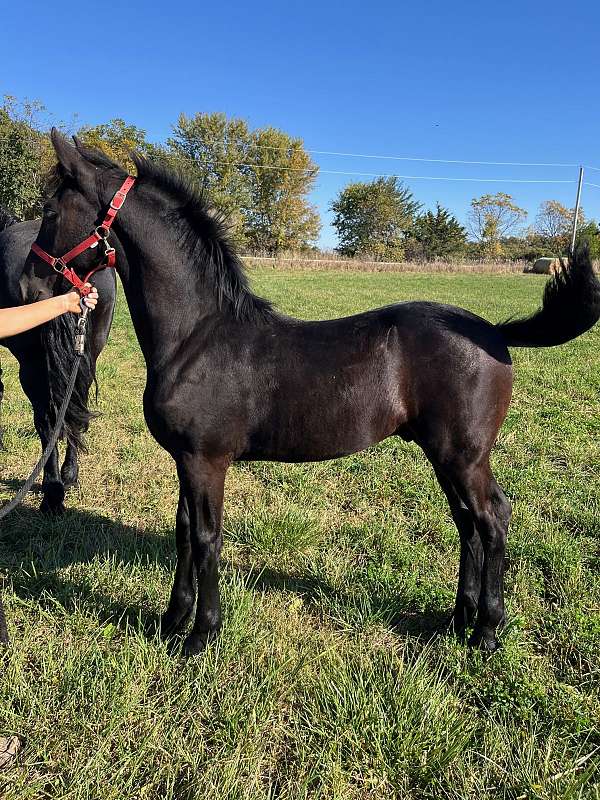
[166,300]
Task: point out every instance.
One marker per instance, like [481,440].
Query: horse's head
[85,181]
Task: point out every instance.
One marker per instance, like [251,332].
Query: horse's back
[15,243]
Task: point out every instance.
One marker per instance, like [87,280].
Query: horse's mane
[206,236]
[204,233]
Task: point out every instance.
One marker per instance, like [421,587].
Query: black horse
[45,355]
[230,378]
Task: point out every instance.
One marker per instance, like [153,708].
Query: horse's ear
[75,164]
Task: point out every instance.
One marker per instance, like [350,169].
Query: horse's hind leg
[491,511]
[493,525]
[471,559]
[69,472]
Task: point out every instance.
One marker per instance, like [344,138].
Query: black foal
[229,378]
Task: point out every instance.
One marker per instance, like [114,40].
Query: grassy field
[330,679]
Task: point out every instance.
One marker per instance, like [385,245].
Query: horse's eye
[49,211]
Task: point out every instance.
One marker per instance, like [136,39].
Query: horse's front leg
[181,603]
[34,380]
[202,480]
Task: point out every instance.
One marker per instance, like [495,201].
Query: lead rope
[52,442]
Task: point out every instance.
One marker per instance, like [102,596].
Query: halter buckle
[59,266]
[118,200]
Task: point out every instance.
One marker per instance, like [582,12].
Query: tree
[438,235]
[213,149]
[258,179]
[492,218]
[282,173]
[24,157]
[117,140]
[590,232]
[554,223]
[374,218]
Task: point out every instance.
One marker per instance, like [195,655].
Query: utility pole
[576,215]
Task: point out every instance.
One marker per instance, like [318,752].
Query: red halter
[100,234]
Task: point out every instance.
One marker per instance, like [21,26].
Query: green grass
[329,679]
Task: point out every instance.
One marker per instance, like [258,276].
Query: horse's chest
[167,413]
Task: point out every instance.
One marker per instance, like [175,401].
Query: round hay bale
[545,266]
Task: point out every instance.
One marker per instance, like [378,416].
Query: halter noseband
[100,234]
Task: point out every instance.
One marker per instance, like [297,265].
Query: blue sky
[511,81]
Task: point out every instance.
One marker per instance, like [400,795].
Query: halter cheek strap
[100,234]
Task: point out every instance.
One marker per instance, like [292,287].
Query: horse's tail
[571,306]
[7,219]
[58,337]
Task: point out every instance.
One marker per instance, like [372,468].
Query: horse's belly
[322,433]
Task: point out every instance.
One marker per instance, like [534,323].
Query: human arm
[22,318]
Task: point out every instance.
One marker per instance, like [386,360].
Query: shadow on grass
[322,597]
[34,548]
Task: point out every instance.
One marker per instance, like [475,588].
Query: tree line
[261,180]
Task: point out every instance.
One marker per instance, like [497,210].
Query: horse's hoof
[458,626]
[196,643]
[52,509]
[52,503]
[460,632]
[173,623]
[485,642]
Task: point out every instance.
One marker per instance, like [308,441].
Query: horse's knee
[493,536]
[502,507]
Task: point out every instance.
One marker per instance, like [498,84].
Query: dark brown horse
[45,355]
[230,378]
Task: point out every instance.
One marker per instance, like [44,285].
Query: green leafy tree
[213,150]
[279,216]
[436,235]
[258,179]
[24,157]
[117,140]
[554,223]
[590,232]
[492,218]
[374,218]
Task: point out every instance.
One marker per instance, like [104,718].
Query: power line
[415,158]
[442,160]
[443,178]
[318,171]
[405,158]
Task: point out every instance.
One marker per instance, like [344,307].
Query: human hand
[72,300]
